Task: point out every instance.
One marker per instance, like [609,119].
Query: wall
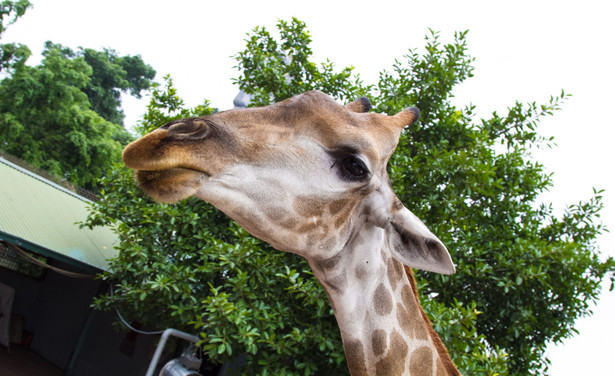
[101,355]
[56,309]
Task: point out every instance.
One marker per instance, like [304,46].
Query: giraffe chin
[170,185]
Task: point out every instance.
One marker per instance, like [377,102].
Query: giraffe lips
[172,184]
[169,173]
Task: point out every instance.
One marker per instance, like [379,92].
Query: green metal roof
[40,216]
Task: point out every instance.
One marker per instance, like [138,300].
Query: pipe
[163,341]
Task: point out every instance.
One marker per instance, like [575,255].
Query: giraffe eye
[353,169]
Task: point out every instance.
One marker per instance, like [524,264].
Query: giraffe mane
[451,369]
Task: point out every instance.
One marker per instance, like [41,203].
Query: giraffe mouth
[168,173]
[171,185]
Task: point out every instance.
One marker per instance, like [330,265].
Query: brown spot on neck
[395,271]
[421,362]
[410,322]
[383,301]
[393,363]
[355,358]
[360,272]
[379,341]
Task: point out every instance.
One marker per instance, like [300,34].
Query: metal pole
[163,341]
[83,335]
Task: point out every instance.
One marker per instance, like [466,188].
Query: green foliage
[112,75]
[158,276]
[166,106]
[46,120]
[12,54]
[12,10]
[64,115]
[273,70]
[524,275]
[277,315]
[456,325]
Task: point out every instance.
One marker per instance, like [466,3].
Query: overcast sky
[526,51]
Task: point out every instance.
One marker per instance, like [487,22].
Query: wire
[119,315]
[34,260]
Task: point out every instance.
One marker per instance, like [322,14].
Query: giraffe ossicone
[308,176]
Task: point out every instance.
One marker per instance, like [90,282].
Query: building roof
[43,217]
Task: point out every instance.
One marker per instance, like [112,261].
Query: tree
[65,115]
[271,71]
[523,278]
[12,10]
[46,120]
[112,75]
[12,54]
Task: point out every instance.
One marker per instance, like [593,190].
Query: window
[12,259]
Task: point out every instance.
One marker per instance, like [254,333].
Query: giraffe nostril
[181,128]
[188,129]
[170,124]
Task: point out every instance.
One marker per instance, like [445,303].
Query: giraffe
[308,176]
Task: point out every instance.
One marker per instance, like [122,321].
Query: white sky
[524,50]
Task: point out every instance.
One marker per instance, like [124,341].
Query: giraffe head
[304,175]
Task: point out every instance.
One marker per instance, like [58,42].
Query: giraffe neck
[383,327]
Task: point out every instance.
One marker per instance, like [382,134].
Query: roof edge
[32,247]
[42,179]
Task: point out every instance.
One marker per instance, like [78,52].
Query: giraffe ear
[362,104]
[406,117]
[414,245]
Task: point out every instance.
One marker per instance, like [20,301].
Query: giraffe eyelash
[354,169]
[351,168]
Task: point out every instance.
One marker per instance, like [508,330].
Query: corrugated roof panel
[43,213]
